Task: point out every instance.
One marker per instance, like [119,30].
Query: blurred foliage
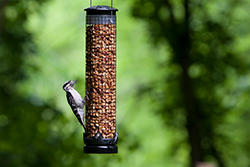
[205,61]
[42,46]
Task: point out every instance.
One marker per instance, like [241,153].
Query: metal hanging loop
[111,3]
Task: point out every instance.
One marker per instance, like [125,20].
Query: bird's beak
[74,82]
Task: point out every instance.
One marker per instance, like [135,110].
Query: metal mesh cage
[101,79]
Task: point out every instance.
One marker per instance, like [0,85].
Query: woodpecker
[75,101]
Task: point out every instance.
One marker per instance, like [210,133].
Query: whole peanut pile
[101,80]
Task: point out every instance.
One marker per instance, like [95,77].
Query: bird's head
[69,84]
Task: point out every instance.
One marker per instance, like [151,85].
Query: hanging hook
[111,3]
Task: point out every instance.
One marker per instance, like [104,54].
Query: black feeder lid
[101,10]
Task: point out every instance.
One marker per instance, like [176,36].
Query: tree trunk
[189,98]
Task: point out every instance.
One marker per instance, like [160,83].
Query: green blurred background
[183,83]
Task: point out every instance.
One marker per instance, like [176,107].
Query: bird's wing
[71,101]
[78,114]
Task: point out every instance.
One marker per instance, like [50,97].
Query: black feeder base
[99,145]
[100,149]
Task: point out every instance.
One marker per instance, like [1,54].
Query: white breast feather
[77,97]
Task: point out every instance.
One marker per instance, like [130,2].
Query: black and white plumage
[75,101]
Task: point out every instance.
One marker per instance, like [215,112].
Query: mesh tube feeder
[100,135]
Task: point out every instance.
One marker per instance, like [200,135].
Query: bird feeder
[100,135]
